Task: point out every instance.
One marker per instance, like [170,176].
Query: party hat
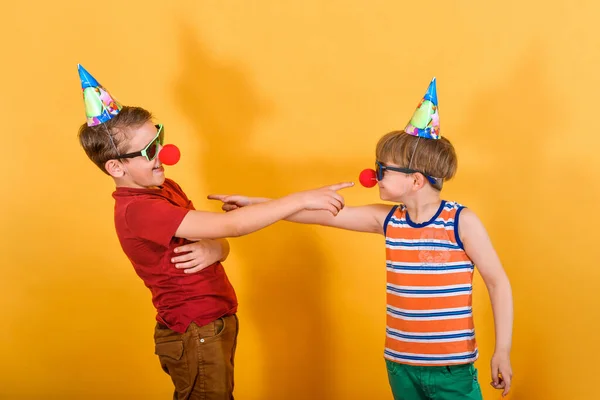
[425,122]
[100,106]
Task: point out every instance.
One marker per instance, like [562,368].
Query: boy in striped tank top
[432,248]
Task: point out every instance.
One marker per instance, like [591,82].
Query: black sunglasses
[380,168]
[151,150]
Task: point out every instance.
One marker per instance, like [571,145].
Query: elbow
[225,249]
[499,284]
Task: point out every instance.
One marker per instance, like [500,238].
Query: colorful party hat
[100,106]
[425,122]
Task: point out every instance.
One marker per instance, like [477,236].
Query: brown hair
[106,141]
[433,157]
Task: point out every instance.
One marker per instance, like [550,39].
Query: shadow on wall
[286,280]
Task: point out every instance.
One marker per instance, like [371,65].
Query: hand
[325,198]
[231,202]
[501,372]
[198,255]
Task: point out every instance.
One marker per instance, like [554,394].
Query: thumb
[339,186]
[495,379]
[221,197]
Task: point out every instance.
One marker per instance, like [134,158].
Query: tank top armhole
[456,235]
[387,219]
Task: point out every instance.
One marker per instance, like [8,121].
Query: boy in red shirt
[197,327]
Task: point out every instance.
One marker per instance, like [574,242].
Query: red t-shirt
[146,221]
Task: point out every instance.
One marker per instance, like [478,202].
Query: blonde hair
[101,142]
[433,157]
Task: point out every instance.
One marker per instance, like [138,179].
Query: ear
[115,168]
[419,181]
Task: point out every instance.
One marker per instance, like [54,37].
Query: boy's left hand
[198,255]
[501,372]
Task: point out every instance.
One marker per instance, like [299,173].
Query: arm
[196,256]
[369,218]
[207,225]
[479,248]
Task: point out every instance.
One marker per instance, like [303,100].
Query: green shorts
[410,382]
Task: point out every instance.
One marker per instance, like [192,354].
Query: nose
[368,178]
[169,154]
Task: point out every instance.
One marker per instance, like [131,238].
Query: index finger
[186,248]
[342,185]
[507,382]
[221,197]
[495,378]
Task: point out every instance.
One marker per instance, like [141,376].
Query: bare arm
[369,218]
[208,225]
[479,248]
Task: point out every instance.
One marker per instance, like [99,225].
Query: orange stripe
[461,278]
[443,325]
[426,256]
[406,232]
[428,303]
[431,348]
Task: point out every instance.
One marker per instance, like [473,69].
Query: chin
[389,197]
[158,175]
[159,181]
[383,195]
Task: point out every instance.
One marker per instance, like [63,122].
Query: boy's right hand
[325,198]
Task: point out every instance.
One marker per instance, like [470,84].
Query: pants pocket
[404,382]
[391,367]
[172,361]
[212,331]
[459,382]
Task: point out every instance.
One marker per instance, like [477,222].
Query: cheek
[392,181]
[139,167]
[397,184]
[142,164]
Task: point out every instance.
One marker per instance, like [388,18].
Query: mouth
[158,169]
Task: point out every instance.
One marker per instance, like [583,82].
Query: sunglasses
[151,150]
[380,169]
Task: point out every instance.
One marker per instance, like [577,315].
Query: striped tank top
[429,290]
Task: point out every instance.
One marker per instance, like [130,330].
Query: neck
[423,206]
[123,183]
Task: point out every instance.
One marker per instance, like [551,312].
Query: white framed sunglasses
[151,149]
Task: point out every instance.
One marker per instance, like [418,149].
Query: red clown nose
[169,154]
[368,178]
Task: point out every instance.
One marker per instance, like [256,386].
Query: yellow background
[269,97]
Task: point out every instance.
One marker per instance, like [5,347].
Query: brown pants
[200,361]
